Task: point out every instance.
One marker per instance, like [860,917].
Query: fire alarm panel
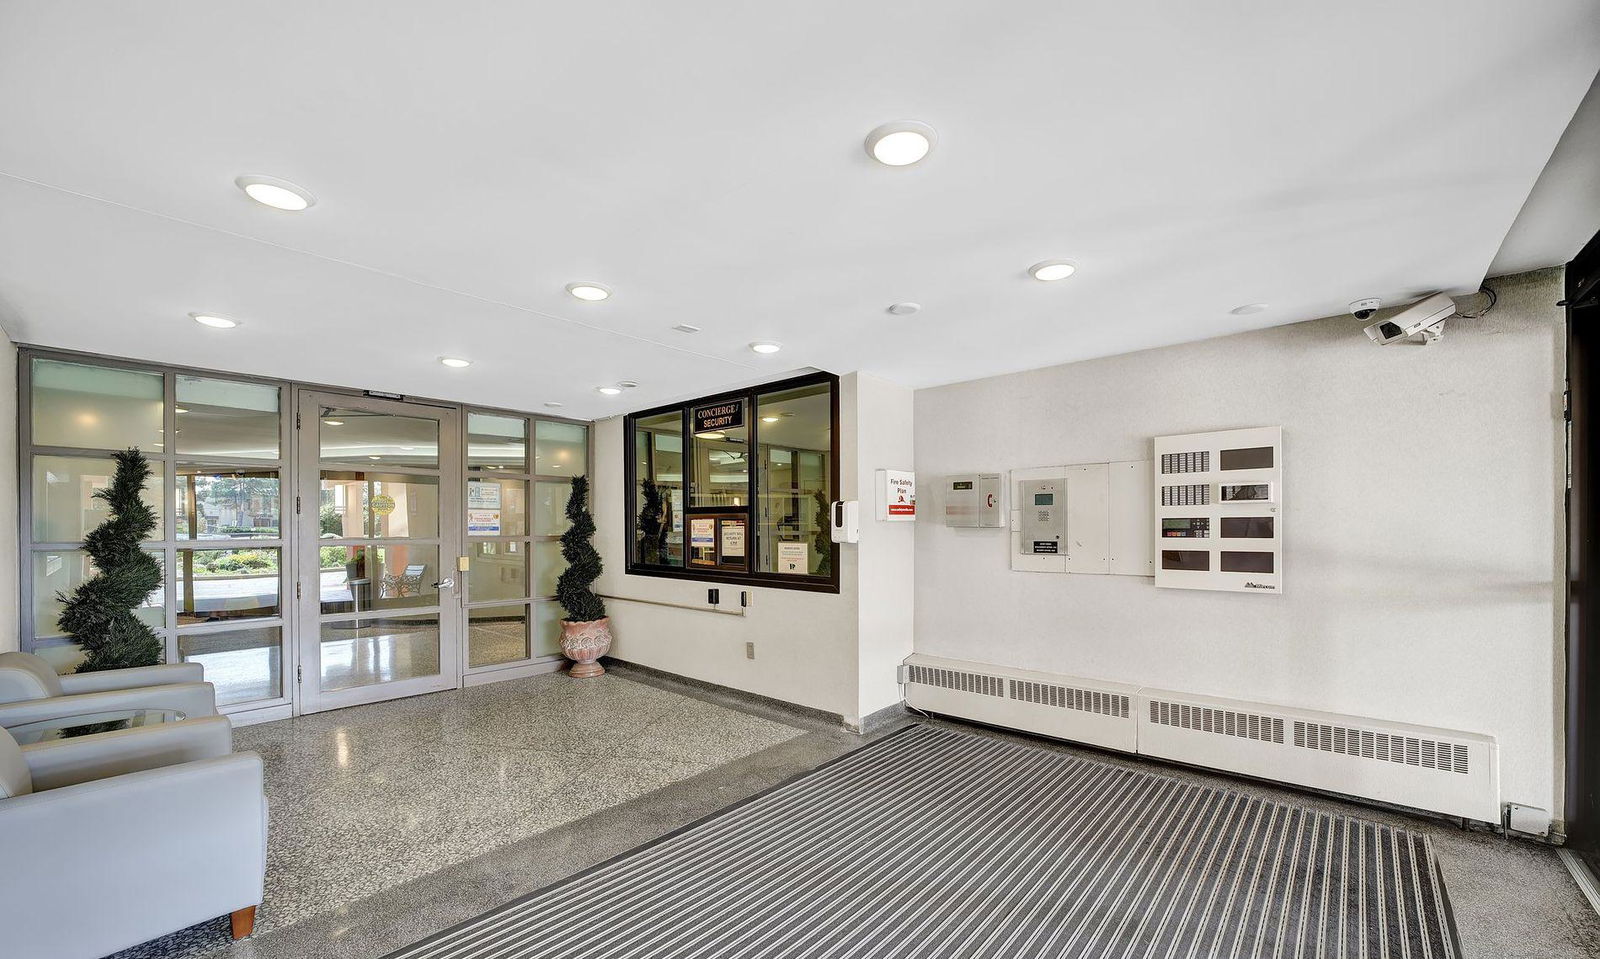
[1219,496]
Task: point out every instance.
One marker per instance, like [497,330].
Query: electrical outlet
[749,650]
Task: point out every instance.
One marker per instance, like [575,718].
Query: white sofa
[113,839]
[30,690]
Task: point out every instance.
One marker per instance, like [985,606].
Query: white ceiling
[705,161]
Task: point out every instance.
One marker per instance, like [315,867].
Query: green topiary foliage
[98,614]
[822,540]
[652,534]
[583,562]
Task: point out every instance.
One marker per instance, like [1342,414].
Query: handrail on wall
[705,608]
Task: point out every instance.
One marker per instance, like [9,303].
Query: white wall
[10,540]
[835,652]
[1423,525]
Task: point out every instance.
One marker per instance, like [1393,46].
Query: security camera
[1426,317]
[1363,309]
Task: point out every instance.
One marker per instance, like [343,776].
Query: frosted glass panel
[64,505]
[96,407]
[499,571]
[562,449]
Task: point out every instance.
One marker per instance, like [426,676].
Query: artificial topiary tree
[652,531]
[822,540]
[98,614]
[583,562]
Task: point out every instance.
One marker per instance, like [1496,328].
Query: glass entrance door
[379,520]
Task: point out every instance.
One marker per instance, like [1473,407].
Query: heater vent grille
[1221,722]
[1383,747]
[959,680]
[1068,697]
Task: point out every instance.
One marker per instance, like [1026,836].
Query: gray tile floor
[498,812]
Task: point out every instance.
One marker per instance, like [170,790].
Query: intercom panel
[974,499]
[1219,510]
[1043,506]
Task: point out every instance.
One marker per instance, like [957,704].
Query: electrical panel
[974,500]
[1219,510]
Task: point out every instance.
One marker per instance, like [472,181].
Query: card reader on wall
[846,521]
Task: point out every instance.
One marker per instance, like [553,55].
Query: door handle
[444,584]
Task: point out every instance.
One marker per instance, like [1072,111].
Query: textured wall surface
[1423,525]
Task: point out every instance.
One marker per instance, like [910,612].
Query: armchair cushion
[66,762]
[194,700]
[14,777]
[163,675]
[26,676]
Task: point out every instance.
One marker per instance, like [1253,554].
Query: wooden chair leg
[244,920]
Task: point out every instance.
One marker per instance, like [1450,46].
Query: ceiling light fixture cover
[455,362]
[904,309]
[554,405]
[1248,309]
[765,347]
[276,193]
[901,142]
[608,390]
[589,292]
[214,321]
[627,384]
[1048,271]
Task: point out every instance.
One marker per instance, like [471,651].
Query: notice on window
[792,558]
[677,512]
[483,522]
[481,495]
[703,541]
[733,539]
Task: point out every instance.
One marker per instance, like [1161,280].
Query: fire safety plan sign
[897,495]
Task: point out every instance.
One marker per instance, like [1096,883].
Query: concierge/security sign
[718,417]
[897,495]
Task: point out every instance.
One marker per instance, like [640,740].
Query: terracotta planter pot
[583,643]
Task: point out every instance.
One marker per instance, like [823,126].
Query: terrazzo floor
[365,799]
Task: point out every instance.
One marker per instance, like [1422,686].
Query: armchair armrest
[165,674]
[194,700]
[178,845]
[67,762]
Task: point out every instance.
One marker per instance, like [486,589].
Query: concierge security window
[735,488]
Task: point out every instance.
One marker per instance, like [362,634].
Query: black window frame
[754,545]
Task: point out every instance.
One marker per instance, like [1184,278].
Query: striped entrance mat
[936,843]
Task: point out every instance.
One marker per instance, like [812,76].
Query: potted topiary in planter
[586,632]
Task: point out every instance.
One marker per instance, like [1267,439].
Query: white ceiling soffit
[470,159]
[1563,211]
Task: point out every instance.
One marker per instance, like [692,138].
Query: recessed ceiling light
[408,448]
[1248,309]
[765,347]
[904,309]
[608,390]
[374,456]
[901,142]
[592,292]
[770,419]
[713,435]
[333,422]
[214,321]
[455,362]
[687,328]
[1048,271]
[627,384]
[276,193]
[179,409]
[554,405]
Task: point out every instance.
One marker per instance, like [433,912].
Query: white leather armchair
[113,839]
[30,690]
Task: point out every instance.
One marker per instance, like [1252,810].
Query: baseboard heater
[1439,770]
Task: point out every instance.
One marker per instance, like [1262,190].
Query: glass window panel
[499,571]
[96,407]
[214,585]
[64,506]
[227,504]
[721,462]
[357,504]
[548,565]
[497,507]
[364,438]
[550,507]
[658,508]
[226,419]
[243,664]
[355,579]
[497,442]
[60,571]
[793,484]
[497,634]
[562,449]
[547,629]
[361,652]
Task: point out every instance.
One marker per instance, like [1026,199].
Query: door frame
[306,569]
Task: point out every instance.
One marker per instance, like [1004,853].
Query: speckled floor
[496,821]
[368,798]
